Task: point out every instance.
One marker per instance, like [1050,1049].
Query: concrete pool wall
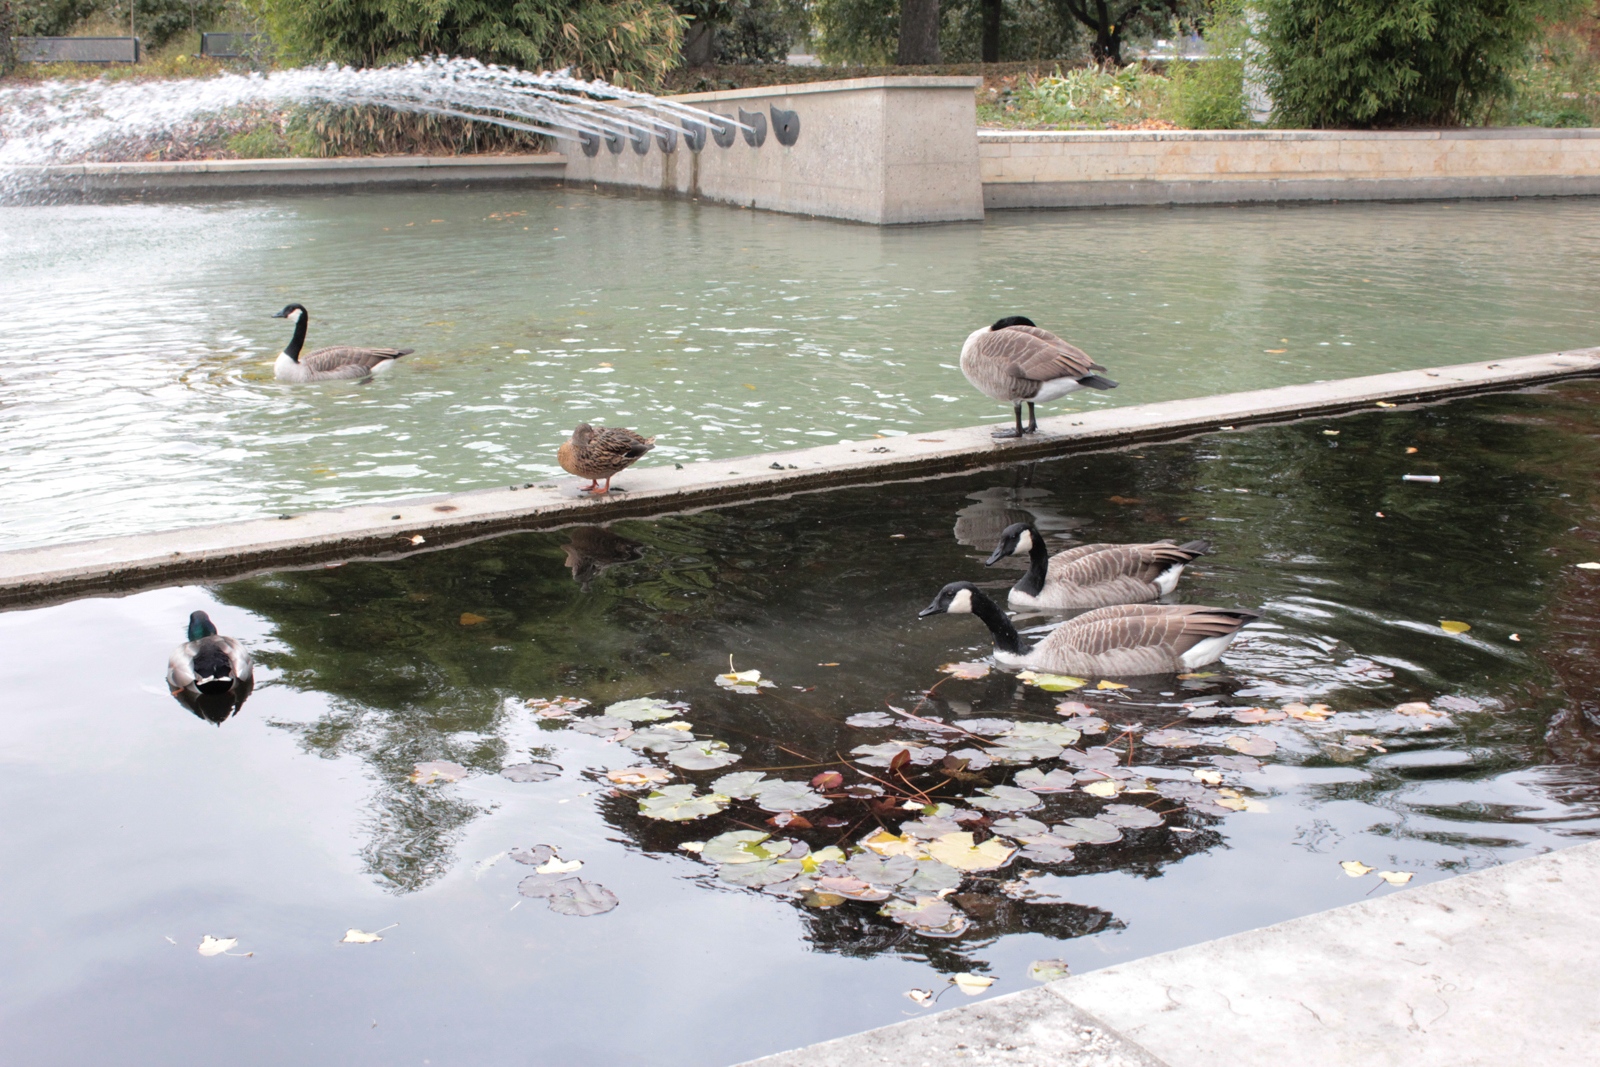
[211,553]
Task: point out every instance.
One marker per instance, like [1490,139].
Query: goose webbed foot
[1009,434]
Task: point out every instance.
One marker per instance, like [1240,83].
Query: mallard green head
[200,626]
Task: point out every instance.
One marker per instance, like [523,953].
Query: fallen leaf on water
[1330,433]
[923,997]
[1355,868]
[1209,777]
[556,707]
[789,820]
[1124,500]
[437,771]
[1252,746]
[1107,788]
[1274,351]
[971,984]
[1395,877]
[216,946]
[557,865]
[1411,451]
[1173,739]
[743,681]
[966,670]
[828,780]
[827,664]
[469,619]
[353,936]
[1110,685]
[1197,674]
[692,846]
[419,540]
[1047,970]
[1309,713]
[1587,566]
[1385,404]
[958,851]
[1516,637]
[1450,626]
[646,775]
[1363,741]
[1417,707]
[1052,683]
[1254,715]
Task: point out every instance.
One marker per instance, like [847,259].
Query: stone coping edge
[1494,966]
[846,85]
[991,135]
[119,565]
[295,165]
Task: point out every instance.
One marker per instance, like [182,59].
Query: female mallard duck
[211,675]
[1092,576]
[1129,639]
[601,453]
[327,364]
[1017,362]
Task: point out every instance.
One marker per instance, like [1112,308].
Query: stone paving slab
[389,530]
[1492,968]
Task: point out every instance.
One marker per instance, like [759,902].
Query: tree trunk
[1107,45]
[919,32]
[991,31]
[699,43]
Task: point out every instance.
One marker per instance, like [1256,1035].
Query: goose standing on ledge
[1092,576]
[1017,362]
[601,453]
[327,364]
[1130,639]
[211,675]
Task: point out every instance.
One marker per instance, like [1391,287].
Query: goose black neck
[1032,583]
[293,351]
[1005,635]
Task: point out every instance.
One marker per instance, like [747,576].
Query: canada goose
[1125,639]
[327,364]
[210,675]
[601,453]
[1017,362]
[1092,576]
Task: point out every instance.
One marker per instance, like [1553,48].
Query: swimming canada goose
[210,675]
[1092,576]
[1017,362]
[327,364]
[1125,639]
[603,452]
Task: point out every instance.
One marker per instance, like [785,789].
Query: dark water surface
[134,828]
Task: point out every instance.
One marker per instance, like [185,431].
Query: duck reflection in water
[591,549]
[209,674]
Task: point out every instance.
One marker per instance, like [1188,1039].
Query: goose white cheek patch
[1024,544]
[961,603]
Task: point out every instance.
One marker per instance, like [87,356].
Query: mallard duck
[1128,639]
[1017,362]
[1092,576]
[209,674]
[327,364]
[601,453]
[591,549]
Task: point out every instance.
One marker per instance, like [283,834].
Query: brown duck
[601,453]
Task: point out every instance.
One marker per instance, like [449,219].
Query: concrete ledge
[1000,196]
[1489,968]
[212,553]
[292,173]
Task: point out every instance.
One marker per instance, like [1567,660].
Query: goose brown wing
[1031,355]
[1172,628]
[1066,556]
[359,361]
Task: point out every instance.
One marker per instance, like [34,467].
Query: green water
[135,828]
[136,391]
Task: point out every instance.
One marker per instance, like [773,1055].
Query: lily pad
[1255,715]
[1023,750]
[740,785]
[1047,848]
[1018,826]
[1173,739]
[530,772]
[743,846]
[932,876]
[658,739]
[438,771]
[678,803]
[976,758]
[851,888]
[1006,798]
[1087,724]
[702,756]
[871,719]
[958,851]
[1052,683]
[637,776]
[1239,764]
[880,755]
[644,709]
[1254,745]
[1057,733]
[1057,781]
[1048,970]
[930,916]
[580,897]
[1129,816]
[929,827]
[1095,759]
[761,874]
[1088,832]
[789,796]
[533,856]
[882,870]
[544,885]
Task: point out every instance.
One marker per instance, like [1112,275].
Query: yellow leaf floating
[1110,685]
[971,984]
[1450,626]
[1417,707]
[958,851]
[1355,868]
[1395,877]
[353,936]
[966,670]
[886,844]
[1052,683]
[1107,788]
[469,619]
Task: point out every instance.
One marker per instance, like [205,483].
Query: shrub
[1092,96]
[629,42]
[1209,94]
[1396,62]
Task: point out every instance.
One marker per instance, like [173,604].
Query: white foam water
[59,122]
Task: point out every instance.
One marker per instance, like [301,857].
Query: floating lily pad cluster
[555,882]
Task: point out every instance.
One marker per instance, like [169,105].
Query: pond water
[135,380]
[135,829]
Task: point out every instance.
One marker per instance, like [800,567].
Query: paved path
[1501,968]
[215,553]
